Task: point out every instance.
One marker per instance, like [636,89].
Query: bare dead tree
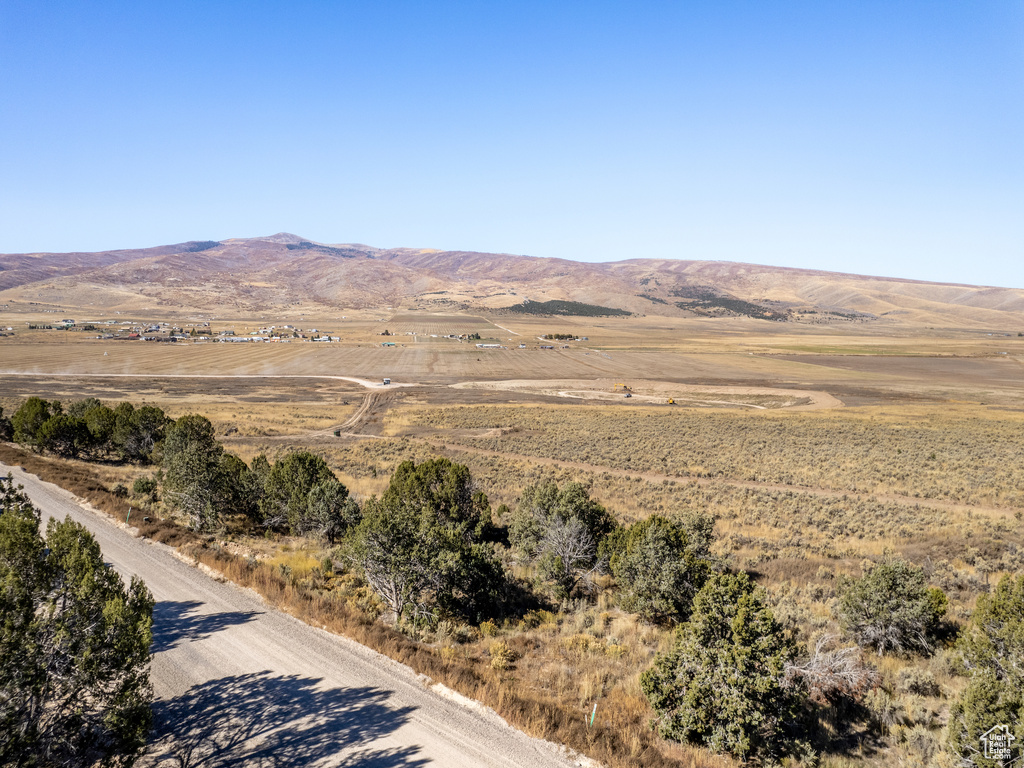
[832,672]
[569,553]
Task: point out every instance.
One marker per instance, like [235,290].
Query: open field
[814,449]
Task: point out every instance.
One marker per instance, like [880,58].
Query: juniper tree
[287,488]
[6,427]
[74,646]
[891,609]
[560,531]
[991,650]
[659,568]
[193,476]
[722,685]
[329,511]
[27,420]
[420,545]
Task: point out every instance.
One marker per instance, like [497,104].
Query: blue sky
[872,137]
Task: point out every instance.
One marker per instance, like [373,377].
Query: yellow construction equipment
[671,401]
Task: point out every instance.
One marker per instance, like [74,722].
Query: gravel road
[238,683]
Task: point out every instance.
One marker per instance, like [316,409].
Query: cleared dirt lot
[646,391]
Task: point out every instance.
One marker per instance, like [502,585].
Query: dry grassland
[925,459]
[958,454]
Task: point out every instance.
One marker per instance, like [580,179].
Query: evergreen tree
[100,421]
[660,569]
[30,417]
[992,652]
[74,646]
[722,685]
[560,531]
[441,492]
[329,511]
[193,476]
[420,545]
[287,488]
[79,408]
[891,609]
[6,427]
[138,432]
[65,435]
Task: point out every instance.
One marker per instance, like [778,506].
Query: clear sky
[872,137]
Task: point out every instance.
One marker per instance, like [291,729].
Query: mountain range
[262,274]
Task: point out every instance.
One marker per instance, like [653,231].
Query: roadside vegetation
[74,646]
[709,622]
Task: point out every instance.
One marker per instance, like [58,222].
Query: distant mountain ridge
[262,273]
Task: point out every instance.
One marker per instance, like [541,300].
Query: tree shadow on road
[265,721]
[175,622]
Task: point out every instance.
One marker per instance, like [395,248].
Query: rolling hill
[265,273]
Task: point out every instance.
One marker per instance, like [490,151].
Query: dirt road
[254,376]
[240,684]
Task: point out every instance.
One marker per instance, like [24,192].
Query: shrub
[919,682]
[488,628]
[144,486]
[502,656]
[891,609]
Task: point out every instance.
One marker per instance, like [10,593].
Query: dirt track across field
[361,382]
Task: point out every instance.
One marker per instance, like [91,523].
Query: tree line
[88,429]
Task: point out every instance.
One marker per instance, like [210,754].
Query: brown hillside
[264,273]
